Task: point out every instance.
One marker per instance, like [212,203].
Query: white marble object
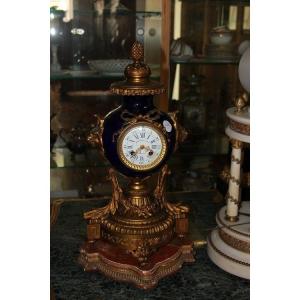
[228,246]
[242,117]
[225,254]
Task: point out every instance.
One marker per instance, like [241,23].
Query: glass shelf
[138,14]
[70,75]
[206,60]
[218,2]
[62,157]
[79,173]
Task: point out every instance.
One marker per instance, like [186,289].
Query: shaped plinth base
[122,266]
[228,246]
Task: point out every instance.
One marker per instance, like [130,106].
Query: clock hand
[149,149]
[141,147]
[138,150]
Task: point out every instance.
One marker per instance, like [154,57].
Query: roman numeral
[136,136]
[142,135]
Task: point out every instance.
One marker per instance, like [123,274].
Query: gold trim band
[239,127]
[234,242]
[231,218]
[229,227]
[224,255]
[137,92]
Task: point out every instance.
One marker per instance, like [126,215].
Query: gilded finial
[137,77]
[137,52]
[240,102]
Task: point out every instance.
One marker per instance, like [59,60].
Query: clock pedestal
[117,264]
[139,236]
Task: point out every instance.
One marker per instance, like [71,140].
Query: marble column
[233,194]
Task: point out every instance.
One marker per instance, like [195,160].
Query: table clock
[139,236]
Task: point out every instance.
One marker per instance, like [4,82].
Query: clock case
[135,110]
[139,236]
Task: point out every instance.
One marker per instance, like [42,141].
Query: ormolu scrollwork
[181,133]
[135,203]
[95,136]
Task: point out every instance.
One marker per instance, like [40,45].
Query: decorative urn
[138,236]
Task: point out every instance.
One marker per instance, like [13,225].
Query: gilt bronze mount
[139,237]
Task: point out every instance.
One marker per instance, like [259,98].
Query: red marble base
[122,266]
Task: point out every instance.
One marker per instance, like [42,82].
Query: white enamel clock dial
[142,146]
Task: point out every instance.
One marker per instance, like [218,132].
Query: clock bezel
[157,161]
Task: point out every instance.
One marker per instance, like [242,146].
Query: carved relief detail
[239,127]
[234,242]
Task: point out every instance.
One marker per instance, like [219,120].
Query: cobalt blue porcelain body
[133,106]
